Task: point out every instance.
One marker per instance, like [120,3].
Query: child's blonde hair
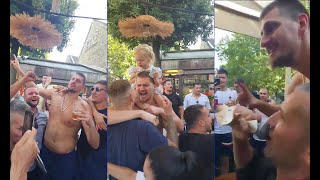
[146,51]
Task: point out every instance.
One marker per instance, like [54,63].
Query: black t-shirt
[203,146]
[84,147]
[176,102]
[258,169]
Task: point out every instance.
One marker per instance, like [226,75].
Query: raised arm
[171,128]
[42,91]
[121,173]
[247,99]
[242,150]
[14,88]
[98,117]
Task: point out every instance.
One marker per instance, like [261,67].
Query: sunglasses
[98,89]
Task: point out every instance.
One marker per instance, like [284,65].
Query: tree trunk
[156,50]
[14,50]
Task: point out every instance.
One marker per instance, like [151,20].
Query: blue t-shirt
[130,142]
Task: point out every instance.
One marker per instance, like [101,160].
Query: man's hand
[149,117]
[99,119]
[167,106]
[29,76]
[246,113]
[25,151]
[60,89]
[48,81]
[155,110]
[246,98]
[15,63]
[85,115]
[239,124]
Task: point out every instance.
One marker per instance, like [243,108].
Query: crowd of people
[153,134]
[69,130]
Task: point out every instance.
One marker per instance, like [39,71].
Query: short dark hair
[83,76]
[288,8]
[192,113]
[118,88]
[223,71]
[18,107]
[103,82]
[167,80]
[168,162]
[28,87]
[145,74]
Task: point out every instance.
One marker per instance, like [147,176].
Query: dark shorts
[258,146]
[94,165]
[223,145]
[60,166]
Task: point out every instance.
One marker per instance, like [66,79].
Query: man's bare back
[61,132]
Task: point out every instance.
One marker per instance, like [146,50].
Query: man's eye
[271,27]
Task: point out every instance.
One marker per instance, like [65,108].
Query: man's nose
[265,41]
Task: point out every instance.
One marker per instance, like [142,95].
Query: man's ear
[303,21]
[306,156]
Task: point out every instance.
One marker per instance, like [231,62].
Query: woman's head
[168,163]
[144,55]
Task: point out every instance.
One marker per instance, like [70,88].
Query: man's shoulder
[197,135]
[136,123]
[188,95]
[41,118]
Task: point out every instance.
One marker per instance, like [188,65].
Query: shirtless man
[145,89]
[147,105]
[60,138]
[61,134]
[285,34]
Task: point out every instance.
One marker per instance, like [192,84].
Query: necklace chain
[62,110]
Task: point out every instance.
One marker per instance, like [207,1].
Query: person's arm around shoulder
[121,173]
[14,88]
[115,117]
[23,154]
[98,117]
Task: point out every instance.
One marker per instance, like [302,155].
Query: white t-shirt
[223,98]
[140,176]
[190,100]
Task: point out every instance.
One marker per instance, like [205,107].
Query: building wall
[94,51]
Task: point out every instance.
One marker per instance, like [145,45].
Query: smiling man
[285,34]
[31,96]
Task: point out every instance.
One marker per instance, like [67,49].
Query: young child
[145,57]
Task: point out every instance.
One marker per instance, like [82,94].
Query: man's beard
[32,105]
[284,61]
[71,90]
